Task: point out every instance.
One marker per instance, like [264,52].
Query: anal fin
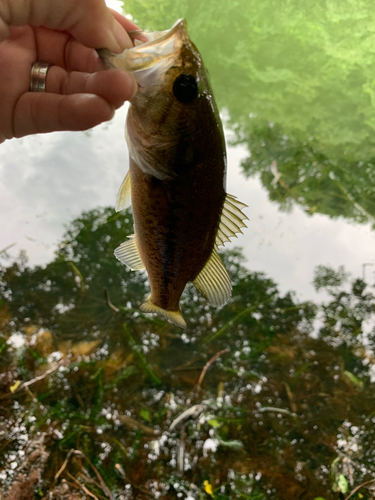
[128,254]
[174,317]
[124,194]
[213,281]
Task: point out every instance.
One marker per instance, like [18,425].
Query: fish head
[174,111]
[166,56]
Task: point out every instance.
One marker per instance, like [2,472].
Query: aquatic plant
[256,400]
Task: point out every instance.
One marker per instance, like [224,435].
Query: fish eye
[185,88]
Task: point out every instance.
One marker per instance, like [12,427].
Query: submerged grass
[100,402]
[136,349]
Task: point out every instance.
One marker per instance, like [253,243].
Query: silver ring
[38,76]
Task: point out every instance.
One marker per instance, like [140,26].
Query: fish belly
[175,226]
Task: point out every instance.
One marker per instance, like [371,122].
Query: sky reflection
[47,180]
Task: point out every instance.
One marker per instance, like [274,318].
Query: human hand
[63,33]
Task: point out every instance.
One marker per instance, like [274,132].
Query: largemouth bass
[176,178]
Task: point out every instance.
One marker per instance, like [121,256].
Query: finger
[129,25]
[60,49]
[90,22]
[114,37]
[43,112]
[114,86]
[124,21]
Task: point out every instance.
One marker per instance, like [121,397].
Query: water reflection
[298,88]
[288,412]
[282,414]
[296,172]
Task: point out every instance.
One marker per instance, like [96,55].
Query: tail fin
[174,317]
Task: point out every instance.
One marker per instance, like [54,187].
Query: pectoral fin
[128,254]
[124,194]
[213,281]
[231,221]
[174,317]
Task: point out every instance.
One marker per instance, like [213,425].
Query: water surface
[287,409]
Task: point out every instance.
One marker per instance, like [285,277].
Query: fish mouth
[154,53]
[161,39]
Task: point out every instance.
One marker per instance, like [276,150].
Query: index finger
[88,21]
[124,21]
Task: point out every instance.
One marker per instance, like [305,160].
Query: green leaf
[145,414]
[234,445]
[214,423]
[356,381]
[343,483]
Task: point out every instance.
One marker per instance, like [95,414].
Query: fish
[177,174]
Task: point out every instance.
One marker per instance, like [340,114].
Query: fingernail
[135,86]
[121,37]
[113,109]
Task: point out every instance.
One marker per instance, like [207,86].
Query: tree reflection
[285,412]
[297,82]
[295,171]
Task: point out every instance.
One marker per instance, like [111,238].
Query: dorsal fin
[213,281]
[124,194]
[231,221]
[128,254]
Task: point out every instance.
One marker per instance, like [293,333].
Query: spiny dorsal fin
[231,221]
[128,254]
[213,281]
[174,317]
[124,194]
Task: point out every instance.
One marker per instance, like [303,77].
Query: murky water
[91,389]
